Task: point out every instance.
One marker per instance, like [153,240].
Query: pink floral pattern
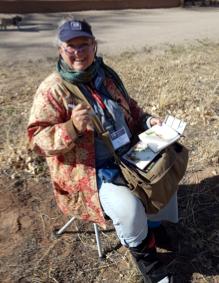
[71,159]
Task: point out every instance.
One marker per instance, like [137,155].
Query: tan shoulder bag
[159,181]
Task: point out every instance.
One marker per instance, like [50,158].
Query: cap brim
[73,35]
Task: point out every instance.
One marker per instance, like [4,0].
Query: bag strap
[79,95]
[96,122]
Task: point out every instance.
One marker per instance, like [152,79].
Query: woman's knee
[127,213]
[122,205]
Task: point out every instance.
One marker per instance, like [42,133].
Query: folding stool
[99,248]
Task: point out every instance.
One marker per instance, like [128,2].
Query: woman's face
[78,53]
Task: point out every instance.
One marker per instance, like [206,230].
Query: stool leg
[99,248]
[65,226]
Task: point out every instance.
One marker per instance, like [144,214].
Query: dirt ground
[180,79]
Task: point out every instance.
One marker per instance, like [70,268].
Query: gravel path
[116,31]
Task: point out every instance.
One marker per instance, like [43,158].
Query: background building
[46,6]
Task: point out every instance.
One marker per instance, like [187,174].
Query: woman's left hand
[155,121]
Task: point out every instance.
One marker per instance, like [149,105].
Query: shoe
[162,239]
[145,256]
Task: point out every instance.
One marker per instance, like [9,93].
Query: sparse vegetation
[179,80]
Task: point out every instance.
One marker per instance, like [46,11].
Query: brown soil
[188,88]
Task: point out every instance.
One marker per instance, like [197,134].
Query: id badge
[119,138]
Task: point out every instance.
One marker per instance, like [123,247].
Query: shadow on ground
[194,237]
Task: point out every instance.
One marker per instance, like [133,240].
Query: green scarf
[78,77]
[89,74]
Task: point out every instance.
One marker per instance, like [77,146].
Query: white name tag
[119,138]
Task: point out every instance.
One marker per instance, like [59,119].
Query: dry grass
[182,81]
[178,80]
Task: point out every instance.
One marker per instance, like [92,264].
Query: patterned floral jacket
[71,159]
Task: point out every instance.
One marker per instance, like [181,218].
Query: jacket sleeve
[50,130]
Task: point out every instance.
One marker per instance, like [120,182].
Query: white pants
[128,214]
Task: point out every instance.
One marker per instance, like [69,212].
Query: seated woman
[87,183]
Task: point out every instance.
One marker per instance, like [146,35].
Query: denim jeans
[126,211]
[128,214]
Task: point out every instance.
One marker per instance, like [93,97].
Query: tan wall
[20,6]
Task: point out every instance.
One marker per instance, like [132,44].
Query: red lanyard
[101,103]
[98,98]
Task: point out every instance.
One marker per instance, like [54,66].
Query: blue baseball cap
[73,29]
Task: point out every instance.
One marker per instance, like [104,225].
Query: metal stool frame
[97,234]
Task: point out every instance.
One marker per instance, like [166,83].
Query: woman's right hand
[81,117]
